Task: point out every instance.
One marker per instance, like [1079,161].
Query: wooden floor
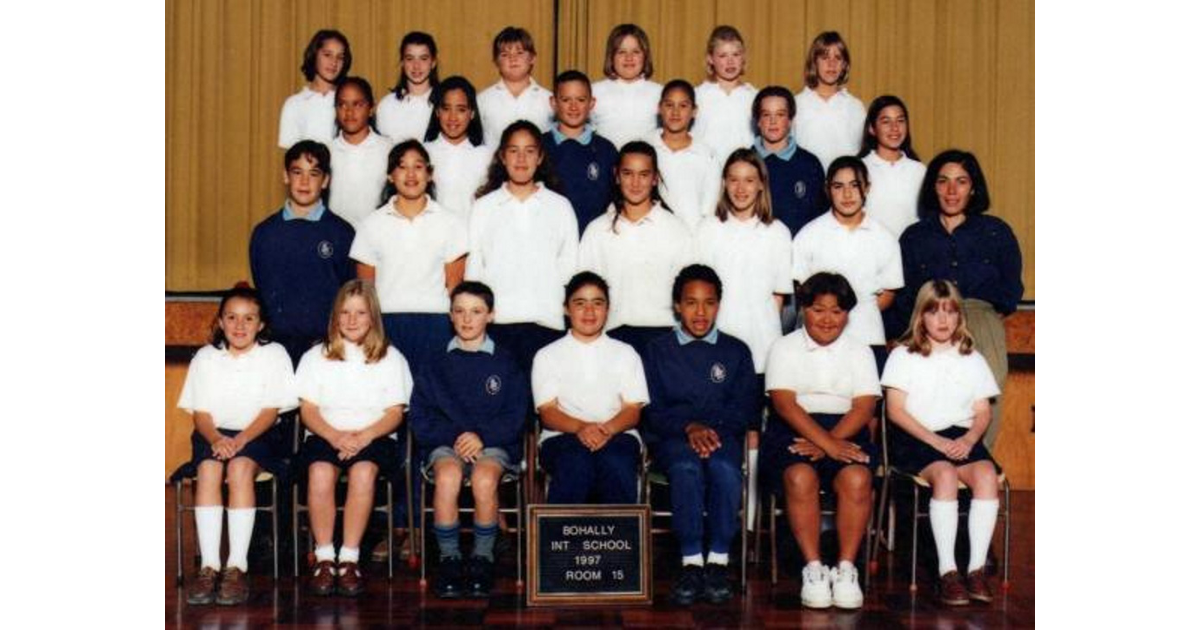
[401,603]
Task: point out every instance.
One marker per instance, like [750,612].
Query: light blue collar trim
[313,215]
[488,346]
[584,138]
[684,337]
[785,153]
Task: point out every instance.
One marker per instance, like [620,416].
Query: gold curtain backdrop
[965,68]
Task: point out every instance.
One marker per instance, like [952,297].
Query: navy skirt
[418,336]
[267,450]
[383,452]
[912,455]
[774,456]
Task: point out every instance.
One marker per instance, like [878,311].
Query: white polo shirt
[943,387]
[359,176]
[526,251]
[724,121]
[754,262]
[410,255]
[639,261]
[868,256]
[590,380]
[307,115]
[404,118]
[625,111]
[894,190]
[691,179]
[353,394]
[826,379]
[458,171]
[235,389]
[499,109]
[830,128]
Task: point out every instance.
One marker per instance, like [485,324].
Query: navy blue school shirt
[981,257]
[482,392]
[797,184]
[298,265]
[585,168]
[710,380]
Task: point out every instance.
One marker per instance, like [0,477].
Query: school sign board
[588,554]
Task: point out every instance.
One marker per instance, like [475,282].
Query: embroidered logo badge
[717,373]
[325,249]
[593,171]
[800,189]
[492,385]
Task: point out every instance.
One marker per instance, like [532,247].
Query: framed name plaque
[588,554]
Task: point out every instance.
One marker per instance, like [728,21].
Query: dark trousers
[576,473]
[712,485]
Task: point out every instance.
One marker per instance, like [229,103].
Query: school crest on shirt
[717,373]
[800,189]
[325,249]
[492,385]
[593,171]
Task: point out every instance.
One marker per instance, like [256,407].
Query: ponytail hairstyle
[474,128]
[636,147]
[416,38]
[497,174]
[723,34]
[241,291]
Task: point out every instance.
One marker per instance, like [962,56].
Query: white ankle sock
[241,526]
[718,558]
[208,535]
[325,552]
[694,560]
[845,565]
[816,564]
[943,519]
[981,522]
[348,554]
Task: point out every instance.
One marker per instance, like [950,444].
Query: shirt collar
[811,345]
[313,215]
[684,337]
[488,346]
[585,138]
[785,153]
[507,196]
[431,207]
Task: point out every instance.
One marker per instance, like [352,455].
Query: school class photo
[585,313]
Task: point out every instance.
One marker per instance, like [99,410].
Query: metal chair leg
[520,536]
[877,521]
[774,543]
[743,533]
[274,528]
[178,532]
[421,534]
[912,585]
[391,526]
[296,530]
[1007,522]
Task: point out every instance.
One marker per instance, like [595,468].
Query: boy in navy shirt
[703,396]
[582,159]
[468,411]
[300,256]
[797,178]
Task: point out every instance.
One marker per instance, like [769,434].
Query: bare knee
[484,480]
[362,477]
[241,471]
[800,482]
[321,478]
[984,481]
[447,473]
[209,472]
[853,483]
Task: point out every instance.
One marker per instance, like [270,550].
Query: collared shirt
[797,184]
[724,121]
[585,136]
[943,387]
[869,258]
[488,346]
[458,171]
[313,215]
[625,110]
[685,337]
[498,109]
[640,261]
[359,176]
[526,251]
[825,379]
[785,153]
[691,179]
[829,128]
[307,115]
[894,190]
[404,118]
[981,257]
[410,255]
[234,389]
[353,394]
[591,381]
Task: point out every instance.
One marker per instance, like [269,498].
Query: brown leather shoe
[235,588]
[323,581]
[350,579]
[953,593]
[203,588]
[977,586]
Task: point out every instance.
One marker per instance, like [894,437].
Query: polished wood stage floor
[401,603]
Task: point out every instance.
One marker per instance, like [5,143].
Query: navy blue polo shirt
[797,184]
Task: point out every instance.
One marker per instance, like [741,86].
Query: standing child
[468,414]
[892,163]
[516,96]
[589,390]
[797,178]
[404,113]
[300,256]
[353,390]
[724,100]
[454,139]
[938,391]
[235,388]
[829,120]
[627,98]
[691,177]
[640,246]
[524,243]
[582,159]
[309,114]
[359,154]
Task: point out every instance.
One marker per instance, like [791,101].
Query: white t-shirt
[724,121]
[869,258]
[526,251]
[625,110]
[353,394]
[830,128]
[404,118]
[639,261]
[943,387]
[590,380]
[499,109]
[307,115]
[754,262]
[826,379]
[359,176]
[410,255]
[895,187]
[458,171]
[235,389]
[691,179]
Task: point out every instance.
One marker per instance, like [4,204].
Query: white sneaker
[815,593]
[846,592]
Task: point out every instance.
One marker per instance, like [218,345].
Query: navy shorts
[383,452]
[267,450]
[774,457]
[912,455]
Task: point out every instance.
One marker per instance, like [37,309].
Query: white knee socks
[981,522]
[241,526]
[208,535]
[943,519]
